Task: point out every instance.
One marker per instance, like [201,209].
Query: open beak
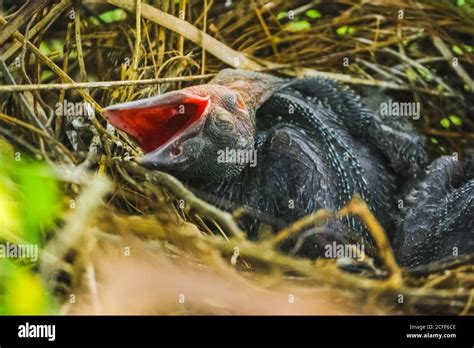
[169,156]
[158,122]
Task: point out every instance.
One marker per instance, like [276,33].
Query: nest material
[405,47]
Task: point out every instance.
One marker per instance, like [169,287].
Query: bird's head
[183,132]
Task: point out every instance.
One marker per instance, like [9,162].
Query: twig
[75,230]
[101,84]
[45,22]
[204,28]
[38,131]
[444,50]
[80,55]
[10,82]
[301,224]
[62,94]
[357,206]
[21,18]
[138,34]
[448,134]
[225,219]
[182,15]
[57,70]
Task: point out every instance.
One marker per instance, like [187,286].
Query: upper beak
[155,121]
[169,98]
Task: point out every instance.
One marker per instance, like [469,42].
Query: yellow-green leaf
[113,16]
[456,49]
[298,26]
[25,294]
[281,15]
[39,199]
[9,210]
[444,123]
[455,120]
[468,48]
[313,14]
[411,74]
[345,29]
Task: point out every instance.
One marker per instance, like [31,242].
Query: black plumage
[317,145]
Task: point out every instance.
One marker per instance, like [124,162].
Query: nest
[128,223]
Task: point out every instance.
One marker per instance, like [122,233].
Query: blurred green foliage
[346,29]
[113,16]
[297,23]
[313,14]
[29,206]
[298,26]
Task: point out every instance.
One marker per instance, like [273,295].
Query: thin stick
[181,15]
[138,33]
[80,55]
[39,132]
[299,225]
[444,50]
[357,206]
[21,18]
[58,71]
[101,84]
[223,218]
[204,26]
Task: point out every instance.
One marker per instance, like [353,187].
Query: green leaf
[461,2]
[468,48]
[10,218]
[113,16]
[345,30]
[342,30]
[25,294]
[458,50]
[426,74]
[22,291]
[94,20]
[455,120]
[313,14]
[275,39]
[434,140]
[444,123]
[281,15]
[45,75]
[53,46]
[411,74]
[39,200]
[298,26]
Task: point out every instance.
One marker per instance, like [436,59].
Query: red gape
[153,126]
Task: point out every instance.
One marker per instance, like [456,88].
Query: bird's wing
[438,217]
[295,174]
[394,137]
